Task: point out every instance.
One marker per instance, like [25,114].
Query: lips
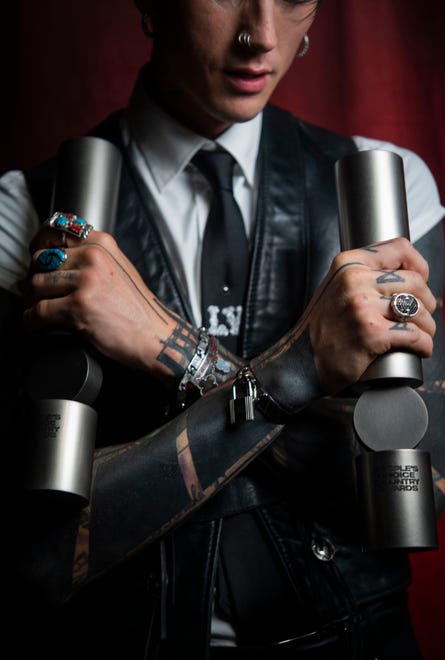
[247,81]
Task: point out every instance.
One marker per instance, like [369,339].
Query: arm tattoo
[287,340]
[158,481]
[187,465]
[178,349]
[373,247]
[154,304]
[398,325]
[82,549]
[438,480]
[389,277]
[401,327]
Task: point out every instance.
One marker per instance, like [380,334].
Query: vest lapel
[137,232]
[138,237]
[280,250]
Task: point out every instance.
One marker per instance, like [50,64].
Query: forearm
[140,492]
[433,388]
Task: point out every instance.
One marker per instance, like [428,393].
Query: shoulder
[40,179]
[25,199]
[18,223]
[424,207]
[323,144]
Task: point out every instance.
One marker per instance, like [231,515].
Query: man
[205,536]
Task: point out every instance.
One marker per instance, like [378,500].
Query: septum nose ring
[245,40]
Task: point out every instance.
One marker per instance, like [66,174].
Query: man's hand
[97,292]
[348,323]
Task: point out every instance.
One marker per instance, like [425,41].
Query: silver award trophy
[394,478]
[64,378]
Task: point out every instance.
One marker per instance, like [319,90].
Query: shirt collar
[167,146]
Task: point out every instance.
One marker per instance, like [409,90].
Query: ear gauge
[304,46]
[145,19]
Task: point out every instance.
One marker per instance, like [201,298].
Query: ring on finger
[51,259]
[69,223]
[404,306]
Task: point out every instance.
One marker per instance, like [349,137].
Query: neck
[174,102]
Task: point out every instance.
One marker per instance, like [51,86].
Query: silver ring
[51,259]
[70,223]
[404,306]
[245,40]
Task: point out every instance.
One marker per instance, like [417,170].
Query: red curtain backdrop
[375,68]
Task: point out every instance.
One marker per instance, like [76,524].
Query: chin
[243,110]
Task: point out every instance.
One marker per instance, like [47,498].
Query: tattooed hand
[97,292]
[348,323]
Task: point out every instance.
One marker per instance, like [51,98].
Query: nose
[261,22]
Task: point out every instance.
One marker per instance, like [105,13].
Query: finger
[410,337]
[48,237]
[356,278]
[409,283]
[392,255]
[52,259]
[48,313]
[54,284]
[41,256]
[49,259]
[422,319]
[361,296]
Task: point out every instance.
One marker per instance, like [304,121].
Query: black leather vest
[306,516]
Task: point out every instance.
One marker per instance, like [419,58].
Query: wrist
[205,370]
[287,376]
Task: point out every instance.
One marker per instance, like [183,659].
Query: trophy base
[397,501]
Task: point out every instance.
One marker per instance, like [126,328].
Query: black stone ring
[404,306]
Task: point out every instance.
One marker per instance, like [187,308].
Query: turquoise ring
[70,223]
[51,259]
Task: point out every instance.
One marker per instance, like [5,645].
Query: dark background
[375,68]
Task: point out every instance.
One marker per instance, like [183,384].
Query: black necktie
[225,251]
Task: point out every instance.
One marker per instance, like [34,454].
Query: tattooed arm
[144,489]
[431,246]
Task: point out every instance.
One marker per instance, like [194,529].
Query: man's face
[203,76]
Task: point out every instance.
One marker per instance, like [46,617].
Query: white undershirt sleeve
[18,224]
[424,207]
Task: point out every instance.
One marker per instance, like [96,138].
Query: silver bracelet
[201,372]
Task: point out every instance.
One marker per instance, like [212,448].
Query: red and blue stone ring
[70,223]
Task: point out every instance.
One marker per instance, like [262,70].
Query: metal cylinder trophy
[390,418]
[64,378]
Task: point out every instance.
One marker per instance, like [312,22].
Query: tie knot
[217,167]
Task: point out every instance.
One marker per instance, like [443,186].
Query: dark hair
[140,4]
